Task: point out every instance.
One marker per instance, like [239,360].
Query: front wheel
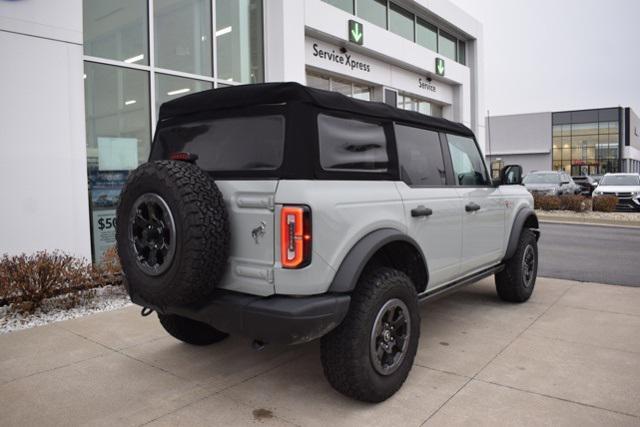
[516,282]
[369,356]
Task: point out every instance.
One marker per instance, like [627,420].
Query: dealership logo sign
[345,59]
[356,32]
[440,66]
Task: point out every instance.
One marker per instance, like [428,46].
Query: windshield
[542,178]
[615,180]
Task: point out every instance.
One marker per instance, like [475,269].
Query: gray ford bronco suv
[285,214]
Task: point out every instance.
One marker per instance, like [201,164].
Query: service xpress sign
[337,57]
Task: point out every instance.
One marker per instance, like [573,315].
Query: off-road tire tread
[204,238]
[341,350]
[190,331]
[509,283]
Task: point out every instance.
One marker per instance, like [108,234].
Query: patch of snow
[105,299]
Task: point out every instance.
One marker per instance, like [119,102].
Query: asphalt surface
[588,253]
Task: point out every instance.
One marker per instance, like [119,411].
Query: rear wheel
[369,356]
[190,331]
[516,282]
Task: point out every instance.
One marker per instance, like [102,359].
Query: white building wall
[42,134]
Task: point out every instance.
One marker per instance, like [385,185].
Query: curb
[590,222]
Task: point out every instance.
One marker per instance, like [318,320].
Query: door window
[351,145]
[420,156]
[468,166]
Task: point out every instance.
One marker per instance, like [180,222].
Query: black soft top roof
[278,93]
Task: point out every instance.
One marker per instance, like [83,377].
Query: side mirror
[511,175]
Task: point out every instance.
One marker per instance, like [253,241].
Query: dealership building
[584,142]
[82,82]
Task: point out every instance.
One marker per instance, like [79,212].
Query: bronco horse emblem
[258,232]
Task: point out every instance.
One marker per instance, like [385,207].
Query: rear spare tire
[172,233]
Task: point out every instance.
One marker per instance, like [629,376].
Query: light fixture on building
[130,102]
[134,59]
[178,91]
[223,31]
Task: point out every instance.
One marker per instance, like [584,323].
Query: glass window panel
[118,138]
[374,11]
[557,142]
[426,35]
[116,29]
[436,110]
[424,108]
[447,45]
[183,35]
[171,87]
[462,52]
[341,86]
[557,165]
[401,101]
[346,5]
[400,21]
[228,144]
[318,82]
[362,92]
[566,130]
[239,40]
[557,154]
[420,156]
[117,106]
[603,128]
[468,164]
[347,144]
[613,127]
[557,130]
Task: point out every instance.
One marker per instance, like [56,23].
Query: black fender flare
[348,273]
[525,214]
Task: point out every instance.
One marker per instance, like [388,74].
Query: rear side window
[468,165]
[352,145]
[420,156]
[229,144]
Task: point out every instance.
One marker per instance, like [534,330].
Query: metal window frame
[152,69]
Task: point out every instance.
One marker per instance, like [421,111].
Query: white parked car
[625,186]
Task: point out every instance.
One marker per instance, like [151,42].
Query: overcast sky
[550,55]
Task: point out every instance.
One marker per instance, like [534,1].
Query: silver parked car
[551,183]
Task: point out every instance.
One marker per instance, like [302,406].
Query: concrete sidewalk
[570,356]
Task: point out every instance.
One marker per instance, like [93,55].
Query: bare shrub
[27,281]
[546,203]
[574,203]
[605,203]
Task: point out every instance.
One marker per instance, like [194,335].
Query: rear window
[229,144]
[352,145]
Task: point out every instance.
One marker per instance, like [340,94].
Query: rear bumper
[274,319]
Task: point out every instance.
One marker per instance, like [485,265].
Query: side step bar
[450,287]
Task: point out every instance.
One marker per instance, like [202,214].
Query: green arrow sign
[440,66]
[356,32]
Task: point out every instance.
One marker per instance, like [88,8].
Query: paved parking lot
[570,356]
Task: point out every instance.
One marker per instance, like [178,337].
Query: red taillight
[295,236]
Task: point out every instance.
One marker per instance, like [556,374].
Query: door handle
[472,207]
[420,211]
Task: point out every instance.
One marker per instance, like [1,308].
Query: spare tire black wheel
[172,233]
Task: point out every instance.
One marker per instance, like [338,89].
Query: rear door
[483,206]
[433,209]
[244,154]
[250,206]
